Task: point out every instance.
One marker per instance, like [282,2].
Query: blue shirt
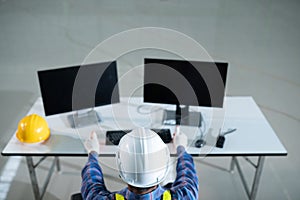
[185,185]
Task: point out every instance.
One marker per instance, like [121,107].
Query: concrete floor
[260,40]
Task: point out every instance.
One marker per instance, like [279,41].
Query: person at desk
[143,161]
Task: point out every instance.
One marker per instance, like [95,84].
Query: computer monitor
[182,82]
[79,88]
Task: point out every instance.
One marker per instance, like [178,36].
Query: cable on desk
[140,107]
[228,131]
[204,127]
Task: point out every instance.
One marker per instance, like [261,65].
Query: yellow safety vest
[166,196]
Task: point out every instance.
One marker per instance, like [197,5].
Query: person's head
[143,160]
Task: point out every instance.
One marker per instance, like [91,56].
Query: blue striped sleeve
[93,186]
[186,184]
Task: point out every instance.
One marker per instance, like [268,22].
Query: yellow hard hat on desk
[32,129]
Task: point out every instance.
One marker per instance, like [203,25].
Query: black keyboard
[113,137]
[164,134]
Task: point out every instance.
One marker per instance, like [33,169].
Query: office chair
[76,196]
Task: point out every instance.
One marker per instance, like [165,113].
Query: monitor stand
[182,116]
[84,118]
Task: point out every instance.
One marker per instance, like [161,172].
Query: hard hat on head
[142,158]
[32,129]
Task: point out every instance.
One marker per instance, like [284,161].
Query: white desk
[254,135]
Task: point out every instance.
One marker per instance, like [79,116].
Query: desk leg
[257,176]
[232,165]
[57,163]
[33,179]
[38,195]
[258,170]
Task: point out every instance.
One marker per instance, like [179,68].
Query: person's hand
[92,143]
[179,139]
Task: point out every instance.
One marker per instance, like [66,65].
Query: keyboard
[113,137]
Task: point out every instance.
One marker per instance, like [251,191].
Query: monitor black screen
[182,82]
[79,87]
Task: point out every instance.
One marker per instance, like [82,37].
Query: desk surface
[254,135]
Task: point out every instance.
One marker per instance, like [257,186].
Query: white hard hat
[142,158]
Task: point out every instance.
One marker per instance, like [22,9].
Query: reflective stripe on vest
[166,196]
[119,197]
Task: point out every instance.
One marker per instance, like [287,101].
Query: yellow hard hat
[32,129]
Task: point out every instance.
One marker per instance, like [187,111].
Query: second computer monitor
[79,87]
[182,82]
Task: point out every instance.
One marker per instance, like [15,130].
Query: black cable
[140,107]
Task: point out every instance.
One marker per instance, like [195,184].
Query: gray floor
[260,39]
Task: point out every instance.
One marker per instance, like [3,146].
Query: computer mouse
[199,143]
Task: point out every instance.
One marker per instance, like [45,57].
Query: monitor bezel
[70,108]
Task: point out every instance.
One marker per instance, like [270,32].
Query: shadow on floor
[23,190]
[14,105]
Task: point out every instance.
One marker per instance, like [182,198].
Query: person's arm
[93,186]
[186,183]
[92,179]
